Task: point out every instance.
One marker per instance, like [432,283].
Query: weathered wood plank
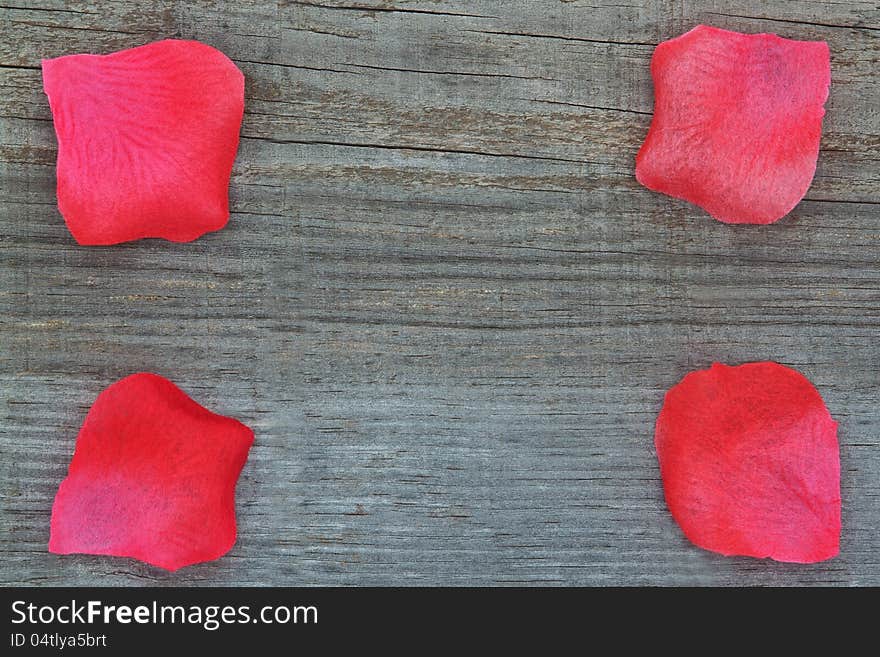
[443,302]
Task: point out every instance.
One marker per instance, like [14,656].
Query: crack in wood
[80,29]
[24,67]
[463,73]
[326,33]
[319,69]
[797,22]
[595,107]
[390,10]
[48,10]
[839,200]
[427,149]
[531,35]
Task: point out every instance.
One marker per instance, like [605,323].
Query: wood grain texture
[443,302]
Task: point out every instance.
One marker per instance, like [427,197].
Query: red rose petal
[750,463]
[737,122]
[153,478]
[146,140]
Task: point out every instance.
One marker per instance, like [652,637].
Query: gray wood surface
[443,302]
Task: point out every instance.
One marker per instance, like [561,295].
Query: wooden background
[443,302]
